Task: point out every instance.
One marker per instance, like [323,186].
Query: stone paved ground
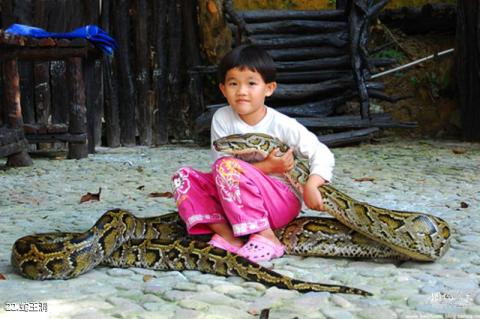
[421,175]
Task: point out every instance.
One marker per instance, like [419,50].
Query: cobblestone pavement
[438,177]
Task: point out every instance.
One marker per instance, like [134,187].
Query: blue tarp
[90,32]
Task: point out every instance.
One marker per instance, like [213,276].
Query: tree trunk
[468,66]
[214,33]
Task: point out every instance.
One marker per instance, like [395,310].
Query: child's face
[245,91]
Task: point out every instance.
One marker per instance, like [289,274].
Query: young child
[237,198]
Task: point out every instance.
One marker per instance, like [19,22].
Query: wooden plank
[467,67]
[111,104]
[23,11]
[340,62]
[273,15]
[45,128]
[111,107]
[336,39]
[305,53]
[354,121]
[127,101]
[94,102]
[346,138]
[60,98]
[144,123]
[322,108]
[46,54]
[179,121]
[312,76]
[41,70]
[58,137]
[11,86]
[192,49]
[78,110]
[295,26]
[302,91]
[160,72]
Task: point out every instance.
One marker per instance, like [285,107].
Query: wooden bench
[14,48]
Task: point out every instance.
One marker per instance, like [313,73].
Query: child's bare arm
[311,195]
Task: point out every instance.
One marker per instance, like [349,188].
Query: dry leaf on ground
[364,179]
[459,150]
[164,194]
[91,196]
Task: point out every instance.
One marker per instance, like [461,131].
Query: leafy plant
[437,84]
[289,4]
[414,81]
[391,53]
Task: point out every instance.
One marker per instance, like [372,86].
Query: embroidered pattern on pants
[228,181]
[181,185]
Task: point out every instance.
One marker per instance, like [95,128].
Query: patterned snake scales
[119,239]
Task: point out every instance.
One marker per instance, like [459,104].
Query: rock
[119,272]
[256,285]
[185,286]
[229,289]
[90,314]
[340,301]
[193,304]
[181,313]
[476,299]
[311,302]
[222,311]
[379,312]
[177,295]
[215,298]
[337,313]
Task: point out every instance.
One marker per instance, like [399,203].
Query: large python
[119,239]
[412,235]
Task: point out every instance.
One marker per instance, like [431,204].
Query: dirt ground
[430,85]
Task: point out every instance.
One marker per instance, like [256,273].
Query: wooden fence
[138,96]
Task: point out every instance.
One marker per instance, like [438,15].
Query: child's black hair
[250,57]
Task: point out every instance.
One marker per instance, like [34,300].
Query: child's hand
[274,164]
[311,195]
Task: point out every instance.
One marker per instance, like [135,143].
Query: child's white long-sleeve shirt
[226,122]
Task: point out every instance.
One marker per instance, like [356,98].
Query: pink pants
[235,192]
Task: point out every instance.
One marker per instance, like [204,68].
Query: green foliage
[438,84]
[414,81]
[332,3]
[435,83]
[391,53]
[289,4]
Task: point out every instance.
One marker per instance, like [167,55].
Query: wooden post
[13,107]
[142,73]
[468,66]
[160,72]
[125,76]
[111,107]
[78,109]
[94,102]
[357,24]
[175,67]
[193,57]
[112,119]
